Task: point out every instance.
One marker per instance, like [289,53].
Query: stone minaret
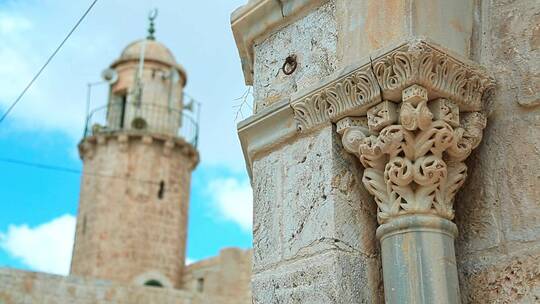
[138,157]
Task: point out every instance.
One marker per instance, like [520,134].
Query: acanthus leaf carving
[414,165]
[415,62]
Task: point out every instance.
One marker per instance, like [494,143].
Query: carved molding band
[413,152]
[416,62]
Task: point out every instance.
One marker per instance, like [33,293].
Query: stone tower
[138,153]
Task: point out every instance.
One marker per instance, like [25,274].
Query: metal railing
[144,117]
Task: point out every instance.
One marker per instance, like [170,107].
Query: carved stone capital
[412,116]
[414,163]
[412,73]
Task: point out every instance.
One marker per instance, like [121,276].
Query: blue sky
[37,206]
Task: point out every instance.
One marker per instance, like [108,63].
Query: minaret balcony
[144,118]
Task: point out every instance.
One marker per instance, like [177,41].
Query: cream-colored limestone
[224,279]
[132,220]
[266,130]
[125,229]
[364,26]
[329,277]
[386,76]
[509,278]
[367,25]
[416,62]
[308,240]
[378,53]
[498,208]
[258,18]
[295,40]
[21,287]
[415,166]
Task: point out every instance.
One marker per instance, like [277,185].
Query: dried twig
[244,101]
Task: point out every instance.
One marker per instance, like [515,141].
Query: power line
[39,165]
[70,170]
[48,61]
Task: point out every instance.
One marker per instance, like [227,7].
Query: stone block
[308,203]
[267,207]
[330,277]
[513,279]
[312,39]
[124,253]
[477,209]
[307,214]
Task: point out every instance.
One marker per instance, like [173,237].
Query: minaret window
[200,284]
[117,109]
[123,104]
[161,190]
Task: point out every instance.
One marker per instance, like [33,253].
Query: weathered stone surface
[125,230]
[307,204]
[498,209]
[132,217]
[21,287]
[362,26]
[508,42]
[224,279]
[331,277]
[366,25]
[312,40]
[511,279]
[413,70]
[267,205]
[500,203]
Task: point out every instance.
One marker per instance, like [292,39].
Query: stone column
[411,116]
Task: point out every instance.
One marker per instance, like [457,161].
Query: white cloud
[233,201]
[56,102]
[46,247]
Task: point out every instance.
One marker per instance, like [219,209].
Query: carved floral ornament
[384,78]
[401,117]
[413,152]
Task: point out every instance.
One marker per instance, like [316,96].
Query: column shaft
[418,259]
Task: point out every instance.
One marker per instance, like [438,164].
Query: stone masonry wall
[21,287]
[301,223]
[124,229]
[224,279]
[498,209]
[314,229]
